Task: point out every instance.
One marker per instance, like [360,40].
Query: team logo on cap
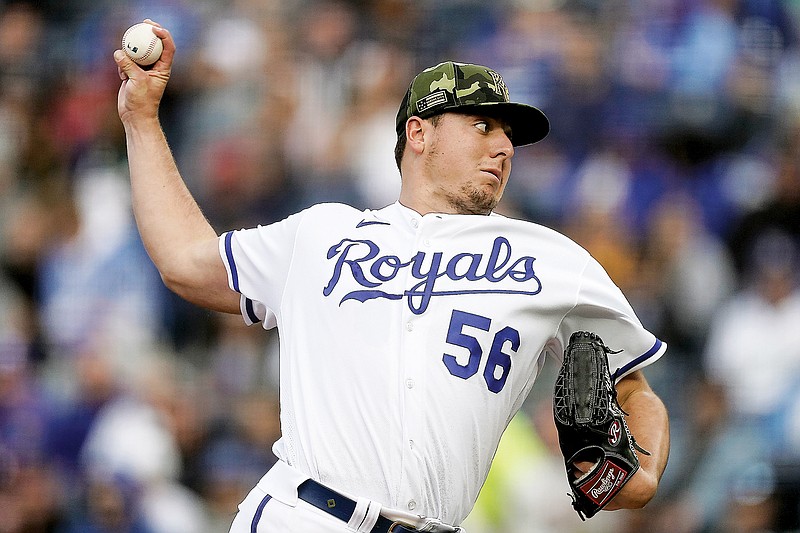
[499,85]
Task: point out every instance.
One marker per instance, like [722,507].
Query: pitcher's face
[468,162]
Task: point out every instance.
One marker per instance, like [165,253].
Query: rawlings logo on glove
[591,425]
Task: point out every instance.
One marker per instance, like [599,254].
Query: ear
[415,134]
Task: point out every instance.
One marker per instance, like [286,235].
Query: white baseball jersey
[408,342]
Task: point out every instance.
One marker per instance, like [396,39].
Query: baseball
[141,44]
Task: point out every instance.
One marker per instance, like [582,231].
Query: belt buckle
[401,524]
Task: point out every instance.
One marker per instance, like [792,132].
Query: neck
[419,205]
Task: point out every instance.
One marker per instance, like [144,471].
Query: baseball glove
[591,425]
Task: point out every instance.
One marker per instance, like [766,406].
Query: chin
[483,206]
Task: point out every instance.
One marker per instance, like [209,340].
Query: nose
[502,145]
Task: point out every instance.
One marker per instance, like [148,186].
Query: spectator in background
[106,505]
[134,438]
[30,495]
[329,51]
[688,272]
[781,211]
[753,347]
[379,71]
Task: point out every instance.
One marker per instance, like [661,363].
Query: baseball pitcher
[411,334]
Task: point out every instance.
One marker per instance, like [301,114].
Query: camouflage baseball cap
[452,86]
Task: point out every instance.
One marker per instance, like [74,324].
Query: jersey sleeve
[602,308]
[257,261]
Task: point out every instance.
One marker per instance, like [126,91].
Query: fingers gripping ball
[141,44]
[591,425]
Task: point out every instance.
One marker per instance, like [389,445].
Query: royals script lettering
[363,262]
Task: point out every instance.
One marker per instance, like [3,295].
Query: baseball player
[411,334]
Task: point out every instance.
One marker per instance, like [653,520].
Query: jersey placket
[412,350]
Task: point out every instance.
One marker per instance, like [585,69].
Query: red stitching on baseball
[150,48]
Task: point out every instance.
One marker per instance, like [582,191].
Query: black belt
[342,507]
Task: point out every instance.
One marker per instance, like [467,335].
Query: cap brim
[528,124]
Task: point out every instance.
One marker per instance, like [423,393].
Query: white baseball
[141,44]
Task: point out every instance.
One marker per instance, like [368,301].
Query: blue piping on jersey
[647,355]
[229,255]
[251,312]
[248,303]
[259,512]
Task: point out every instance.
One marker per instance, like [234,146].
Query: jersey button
[409,326]
[412,505]
[414,223]
[410,383]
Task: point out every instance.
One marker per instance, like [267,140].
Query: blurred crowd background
[673,158]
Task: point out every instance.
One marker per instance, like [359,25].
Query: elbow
[171,282]
[177,284]
[216,297]
[640,500]
[195,272]
[638,492]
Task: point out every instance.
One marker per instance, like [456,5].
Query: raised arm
[180,241]
[649,424]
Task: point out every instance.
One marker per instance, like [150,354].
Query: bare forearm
[166,214]
[649,425]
